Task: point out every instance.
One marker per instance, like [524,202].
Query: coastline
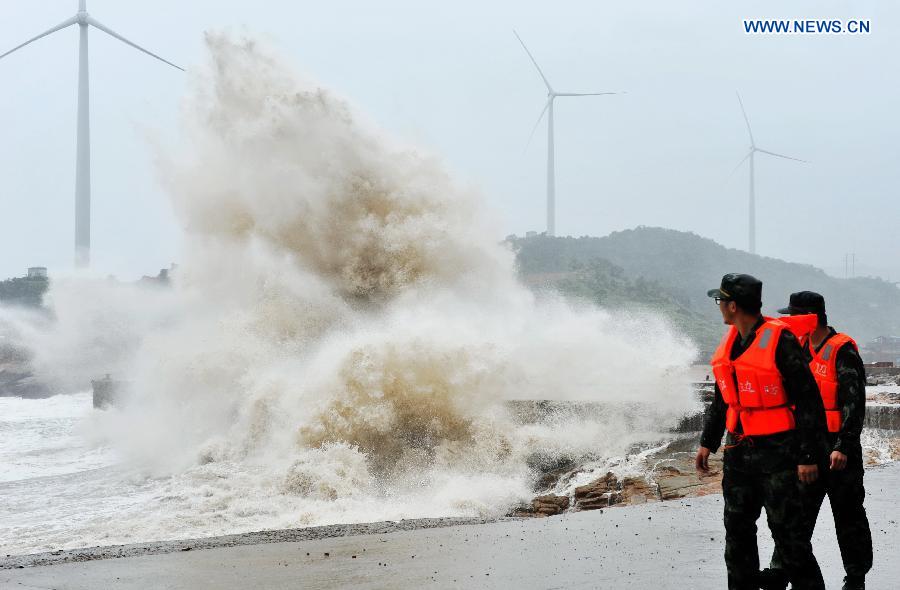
[674,544]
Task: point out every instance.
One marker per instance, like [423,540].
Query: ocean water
[44,437]
[64,487]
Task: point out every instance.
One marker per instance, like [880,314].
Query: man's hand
[838,461]
[701,461]
[808,473]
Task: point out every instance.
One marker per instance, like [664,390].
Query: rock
[597,494]
[550,470]
[888,450]
[548,505]
[610,491]
[638,491]
[880,378]
[883,397]
[16,380]
[672,487]
[16,377]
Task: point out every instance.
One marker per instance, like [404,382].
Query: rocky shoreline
[669,472]
[669,475]
[16,377]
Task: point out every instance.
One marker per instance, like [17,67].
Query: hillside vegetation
[26,291]
[671,271]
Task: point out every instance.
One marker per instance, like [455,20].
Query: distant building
[531,234]
[37,272]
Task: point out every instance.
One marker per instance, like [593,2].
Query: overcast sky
[452,77]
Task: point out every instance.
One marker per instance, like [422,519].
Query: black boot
[854,583]
[773,579]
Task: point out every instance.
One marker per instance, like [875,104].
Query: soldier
[766,398]
[840,374]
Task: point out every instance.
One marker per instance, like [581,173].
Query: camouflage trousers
[759,474]
[846,493]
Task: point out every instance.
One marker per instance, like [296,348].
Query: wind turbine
[83,140]
[551,162]
[750,155]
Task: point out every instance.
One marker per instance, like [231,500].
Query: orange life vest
[824,369]
[801,325]
[751,384]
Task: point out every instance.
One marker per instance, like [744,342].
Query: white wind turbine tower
[551,162]
[83,141]
[750,156]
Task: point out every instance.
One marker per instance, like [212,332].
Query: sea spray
[341,333]
[88,327]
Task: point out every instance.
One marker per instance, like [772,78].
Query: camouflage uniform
[844,488]
[761,472]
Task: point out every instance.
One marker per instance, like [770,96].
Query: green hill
[26,291]
[671,271]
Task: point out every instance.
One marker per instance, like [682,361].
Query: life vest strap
[739,408]
[739,440]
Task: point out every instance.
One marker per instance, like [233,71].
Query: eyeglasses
[719,300]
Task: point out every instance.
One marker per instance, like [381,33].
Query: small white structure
[37,272]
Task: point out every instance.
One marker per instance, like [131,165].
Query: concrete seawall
[881,416]
[884,416]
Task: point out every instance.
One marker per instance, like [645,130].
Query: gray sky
[452,77]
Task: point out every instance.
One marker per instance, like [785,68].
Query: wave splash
[344,329]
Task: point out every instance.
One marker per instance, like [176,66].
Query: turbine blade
[746,120]
[781,156]
[741,163]
[584,93]
[541,72]
[95,23]
[66,23]
[536,123]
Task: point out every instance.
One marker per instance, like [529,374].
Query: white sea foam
[338,342]
[43,437]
